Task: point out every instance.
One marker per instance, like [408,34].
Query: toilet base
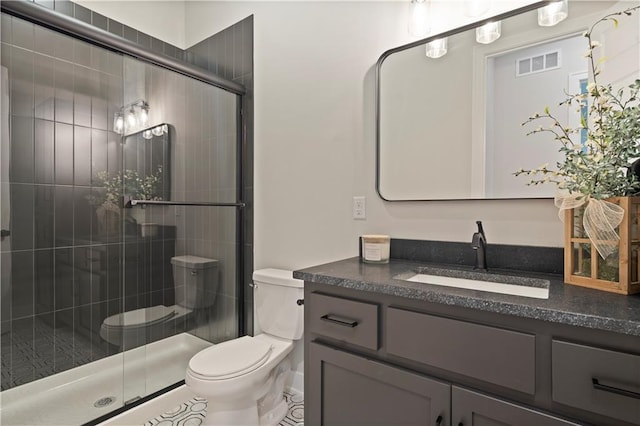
[275,416]
[236,416]
[244,416]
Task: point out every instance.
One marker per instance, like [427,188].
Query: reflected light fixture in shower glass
[437,48]
[553,13]
[118,123]
[143,116]
[489,32]
[160,130]
[131,116]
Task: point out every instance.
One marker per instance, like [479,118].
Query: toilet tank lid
[277,276]
[193,262]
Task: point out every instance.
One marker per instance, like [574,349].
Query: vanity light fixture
[489,32]
[473,8]
[419,18]
[553,13]
[130,116]
[437,48]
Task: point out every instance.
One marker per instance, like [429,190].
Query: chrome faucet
[479,244]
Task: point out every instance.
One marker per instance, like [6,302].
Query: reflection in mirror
[146,163]
[450,128]
[146,175]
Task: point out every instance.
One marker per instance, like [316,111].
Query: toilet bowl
[135,328]
[195,286]
[243,379]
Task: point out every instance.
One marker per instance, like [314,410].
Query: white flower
[595,43]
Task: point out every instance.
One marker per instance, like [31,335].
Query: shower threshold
[69,398]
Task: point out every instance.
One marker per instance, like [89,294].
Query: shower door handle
[4,233]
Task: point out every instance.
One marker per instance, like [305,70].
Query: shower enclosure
[111,166]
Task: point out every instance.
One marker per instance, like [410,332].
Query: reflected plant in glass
[128,183]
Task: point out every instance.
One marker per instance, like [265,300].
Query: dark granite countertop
[567,304]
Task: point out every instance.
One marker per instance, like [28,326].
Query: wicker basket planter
[583,266]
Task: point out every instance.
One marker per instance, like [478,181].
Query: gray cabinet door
[474,409]
[352,390]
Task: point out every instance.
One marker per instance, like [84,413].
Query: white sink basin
[516,286]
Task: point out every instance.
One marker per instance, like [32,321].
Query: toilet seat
[140,317]
[230,359]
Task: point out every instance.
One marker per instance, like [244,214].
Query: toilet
[243,379]
[195,281]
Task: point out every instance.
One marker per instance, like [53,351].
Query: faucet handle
[480,229]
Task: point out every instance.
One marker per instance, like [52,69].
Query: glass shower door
[180,246]
[60,267]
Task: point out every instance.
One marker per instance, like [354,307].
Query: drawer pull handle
[339,321]
[439,421]
[624,392]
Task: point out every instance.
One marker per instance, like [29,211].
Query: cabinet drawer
[343,319]
[472,408]
[502,357]
[597,380]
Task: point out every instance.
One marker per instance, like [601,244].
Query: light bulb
[488,33]
[437,48]
[476,7]
[144,114]
[147,134]
[118,123]
[419,18]
[157,131]
[553,13]
[131,118]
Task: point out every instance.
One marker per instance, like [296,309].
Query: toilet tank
[276,294]
[195,281]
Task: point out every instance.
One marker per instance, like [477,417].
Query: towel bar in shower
[131,203]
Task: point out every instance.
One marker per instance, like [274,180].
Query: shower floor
[84,393]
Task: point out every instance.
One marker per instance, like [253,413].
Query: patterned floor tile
[193,412]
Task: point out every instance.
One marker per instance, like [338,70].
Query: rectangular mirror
[450,128]
[147,172]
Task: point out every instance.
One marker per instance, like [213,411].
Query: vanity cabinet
[375,359]
[358,391]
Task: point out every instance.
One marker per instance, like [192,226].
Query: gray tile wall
[59,272]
